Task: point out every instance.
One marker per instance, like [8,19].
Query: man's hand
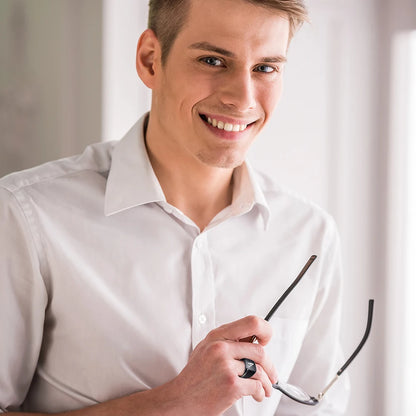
[210,383]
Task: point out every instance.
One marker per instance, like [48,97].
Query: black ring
[250,368]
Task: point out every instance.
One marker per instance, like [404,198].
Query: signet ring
[250,368]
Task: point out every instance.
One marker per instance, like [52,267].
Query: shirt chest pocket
[283,350]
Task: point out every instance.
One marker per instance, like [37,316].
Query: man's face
[220,83]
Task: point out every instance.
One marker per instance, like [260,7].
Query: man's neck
[199,196]
[198,190]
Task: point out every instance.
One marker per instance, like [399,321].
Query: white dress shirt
[105,288]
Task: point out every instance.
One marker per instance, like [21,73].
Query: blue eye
[266,68]
[212,61]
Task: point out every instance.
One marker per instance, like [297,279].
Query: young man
[133,276]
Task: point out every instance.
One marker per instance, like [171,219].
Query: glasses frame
[286,388]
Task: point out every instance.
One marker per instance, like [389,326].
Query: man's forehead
[230,30]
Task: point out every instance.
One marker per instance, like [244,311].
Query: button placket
[203,300]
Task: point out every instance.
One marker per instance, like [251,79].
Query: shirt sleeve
[320,356]
[23,299]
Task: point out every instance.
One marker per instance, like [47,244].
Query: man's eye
[266,69]
[211,60]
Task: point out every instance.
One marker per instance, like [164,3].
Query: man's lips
[227,124]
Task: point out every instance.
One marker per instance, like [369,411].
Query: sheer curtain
[401,241]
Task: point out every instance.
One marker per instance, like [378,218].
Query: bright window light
[400,367]
[410,234]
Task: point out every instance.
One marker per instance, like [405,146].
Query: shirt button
[202,319]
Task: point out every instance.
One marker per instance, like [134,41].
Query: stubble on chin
[220,161]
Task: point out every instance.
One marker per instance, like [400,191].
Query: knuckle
[230,384]
[218,349]
[224,367]
[254,321]
[230,380]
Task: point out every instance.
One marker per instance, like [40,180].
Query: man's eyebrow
[209,47]
[274,59]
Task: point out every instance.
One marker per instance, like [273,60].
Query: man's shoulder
[96,158]
[288,202]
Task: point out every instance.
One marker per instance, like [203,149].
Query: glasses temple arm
[290,288]
[354,354]
[286,293]
[366,334]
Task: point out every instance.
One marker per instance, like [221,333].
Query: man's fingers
[253,387]
[244,329]
[216,360]
[261,376]
[249,369]
[256,353]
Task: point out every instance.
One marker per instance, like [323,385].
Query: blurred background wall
[50,79]
[342,135]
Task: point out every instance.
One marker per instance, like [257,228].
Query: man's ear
[148,57]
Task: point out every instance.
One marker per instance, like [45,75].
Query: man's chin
[227,161]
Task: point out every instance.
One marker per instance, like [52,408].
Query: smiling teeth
[226,126]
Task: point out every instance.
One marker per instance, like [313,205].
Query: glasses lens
[295,393]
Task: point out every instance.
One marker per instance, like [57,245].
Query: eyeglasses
[294,392]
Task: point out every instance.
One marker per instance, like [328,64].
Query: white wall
[125,98]
[50,80]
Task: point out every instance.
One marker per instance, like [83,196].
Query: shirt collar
[132,181]
[247,193]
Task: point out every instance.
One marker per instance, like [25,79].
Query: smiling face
[219,84]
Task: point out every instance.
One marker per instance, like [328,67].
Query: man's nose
[238,91]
